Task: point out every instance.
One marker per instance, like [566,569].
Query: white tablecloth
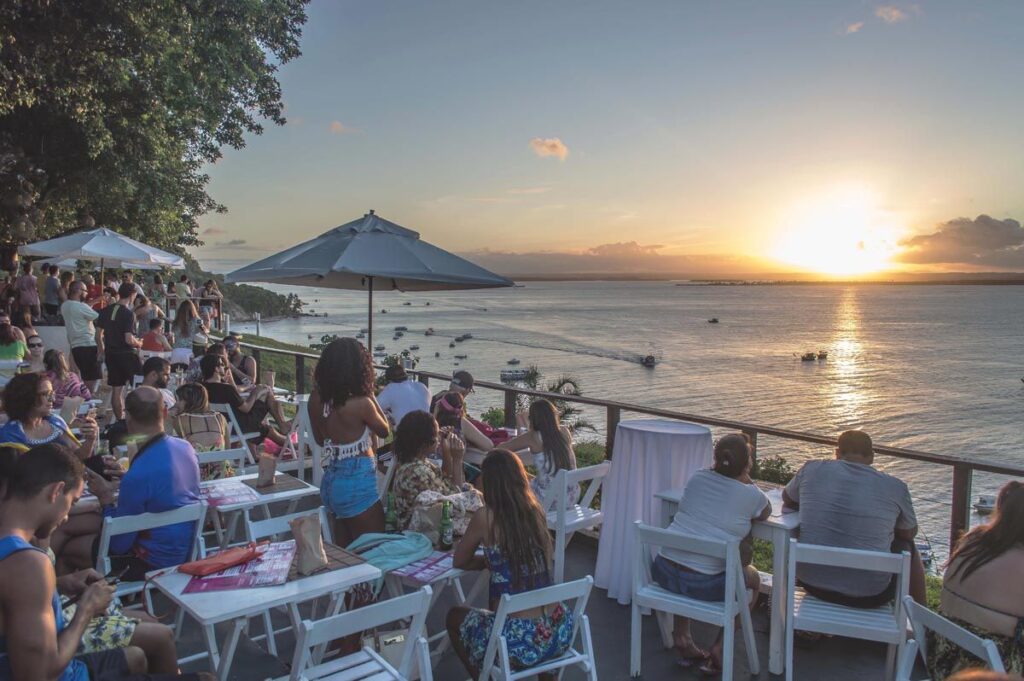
[650,456]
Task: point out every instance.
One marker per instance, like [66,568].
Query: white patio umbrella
[365,253]
[107,246]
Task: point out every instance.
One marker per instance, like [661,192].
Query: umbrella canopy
[366,252]
[73,263]
[107,246]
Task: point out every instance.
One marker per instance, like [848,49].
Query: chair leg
[728,648]
[789,641]
[747,625]
[588,650]
[890,661]
[559,556]
[635,631]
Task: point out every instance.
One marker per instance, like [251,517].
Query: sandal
[710,667]
[688,660]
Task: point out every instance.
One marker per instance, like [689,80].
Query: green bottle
[446,532]
[391,518]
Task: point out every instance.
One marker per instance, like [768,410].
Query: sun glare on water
[844,232]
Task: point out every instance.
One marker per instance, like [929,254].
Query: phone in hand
[114,576]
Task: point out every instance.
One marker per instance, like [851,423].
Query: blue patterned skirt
[531,641]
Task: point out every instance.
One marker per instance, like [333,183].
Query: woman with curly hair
[344,415]
[513,531]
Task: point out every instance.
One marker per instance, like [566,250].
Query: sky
[690,138]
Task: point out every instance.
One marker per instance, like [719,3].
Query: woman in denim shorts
[345,416]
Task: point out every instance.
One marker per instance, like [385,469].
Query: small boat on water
[380,354]
[467,336]
[437,354]
[395,337]
[399,334]
[822,354]
[713,320]
[513,361]
[414,347]
[808,357]
[514,374]
[924,549]
[383,311]
[649,361]
[429,332]
[985,505]
[401,328]
[407,303]
[364,330]
[461,356]
[309,335]
[378,348]
[360,335]
[452,344]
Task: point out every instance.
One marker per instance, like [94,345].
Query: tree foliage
[110,109]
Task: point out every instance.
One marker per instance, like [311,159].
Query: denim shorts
[349,486]
[699,586]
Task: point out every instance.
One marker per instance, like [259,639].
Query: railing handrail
[814,438]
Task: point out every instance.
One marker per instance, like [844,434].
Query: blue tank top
[75,671]
[501,574]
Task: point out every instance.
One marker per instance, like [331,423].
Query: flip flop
[710,667]
[688,661]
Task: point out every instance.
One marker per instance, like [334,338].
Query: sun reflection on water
[845,390]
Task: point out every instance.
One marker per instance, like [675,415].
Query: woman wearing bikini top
[344,415]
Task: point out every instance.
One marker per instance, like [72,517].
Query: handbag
[222,560]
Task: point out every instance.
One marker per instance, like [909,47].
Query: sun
[842,232]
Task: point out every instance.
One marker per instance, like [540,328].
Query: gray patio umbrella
[370,253]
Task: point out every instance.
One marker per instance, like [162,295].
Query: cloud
[891,14]
[213,231]
[530,190]
[624,249]
[854,27]
[981,242]
[339,128]
[551,146]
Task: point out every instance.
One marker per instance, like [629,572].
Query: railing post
[752,436]
[960,513]
[256,357]
[300,374]
[611,423]
[424,379]
[510,408]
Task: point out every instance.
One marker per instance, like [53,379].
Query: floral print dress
[415,477]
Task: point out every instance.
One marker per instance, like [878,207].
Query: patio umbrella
[370,253]
[107,246]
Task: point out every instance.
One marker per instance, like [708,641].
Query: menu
[270,569]
[226,492]
[426,570]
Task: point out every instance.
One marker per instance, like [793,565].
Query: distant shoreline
[1002,280]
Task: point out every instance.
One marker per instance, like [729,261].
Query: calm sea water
[935,368]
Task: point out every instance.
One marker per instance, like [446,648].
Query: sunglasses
[35,345]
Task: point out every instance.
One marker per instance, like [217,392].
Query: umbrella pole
[103,284]
[369,326]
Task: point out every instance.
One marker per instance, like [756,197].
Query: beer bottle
[391,517]
[446,532]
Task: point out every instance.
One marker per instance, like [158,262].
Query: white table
[243,507]
[238,605]
[778,528]
[650,455]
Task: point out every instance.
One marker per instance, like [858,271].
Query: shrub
[494,417]
[773,469]
[589,452]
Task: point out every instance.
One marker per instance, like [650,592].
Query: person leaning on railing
[983,589]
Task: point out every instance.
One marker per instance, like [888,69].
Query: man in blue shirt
[164,476]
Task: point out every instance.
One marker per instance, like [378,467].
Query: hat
[395,373]
[464,380]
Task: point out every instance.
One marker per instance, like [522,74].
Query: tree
[110,110]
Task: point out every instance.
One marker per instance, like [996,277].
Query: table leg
[230,645]
[211,645]
[776,658]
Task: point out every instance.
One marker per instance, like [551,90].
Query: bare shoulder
[25,575]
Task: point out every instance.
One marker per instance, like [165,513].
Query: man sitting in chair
[156,373]
[251,409]
[163,476]
[847,503]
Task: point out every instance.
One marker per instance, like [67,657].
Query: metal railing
[963,468]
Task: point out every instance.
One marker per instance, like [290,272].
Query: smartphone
[84,409]
[114,576]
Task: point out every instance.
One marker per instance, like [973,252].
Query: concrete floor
[834,659]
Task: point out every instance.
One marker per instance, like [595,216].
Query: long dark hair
[732,454]
[987,542]
[520,526]
[544,420]
[417,431]
[345,370]
[54,361]
[186,313]
[7,333]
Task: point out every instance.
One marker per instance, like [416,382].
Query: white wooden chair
[239,458]
[367,663]
[146,354]
[496,663]
[112,527]
[564,519]
[384,481]
[648,594]
[923,620]
[236,437]
[885,624]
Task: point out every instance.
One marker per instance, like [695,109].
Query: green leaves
[113,108]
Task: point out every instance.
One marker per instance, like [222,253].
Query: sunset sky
[727,138]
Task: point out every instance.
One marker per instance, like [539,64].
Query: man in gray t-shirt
[850,504]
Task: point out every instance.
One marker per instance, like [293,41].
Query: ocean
[935,368]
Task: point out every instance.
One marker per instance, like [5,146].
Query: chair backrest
[312,634]
[146,354]
[557,497]
[578,590]
[237,456]
[384,484]
[112,527]
[647,538]
[236,436]
[260,529]
[922,619]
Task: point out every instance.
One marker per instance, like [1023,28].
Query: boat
[378,348]
[649,361]
[414,347]
[924,549]
[461,356]
[429,332]
[383,311]
[713,320]
[407,303]
[360,335]
[380,354]
[985,505]
[513,361]
[401,328]
[822,354]
[364,330]
[437,354]
[514,374]
[808,357]
[467,336]
[309,335]
[395,337]
[399,334]
[452,344]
